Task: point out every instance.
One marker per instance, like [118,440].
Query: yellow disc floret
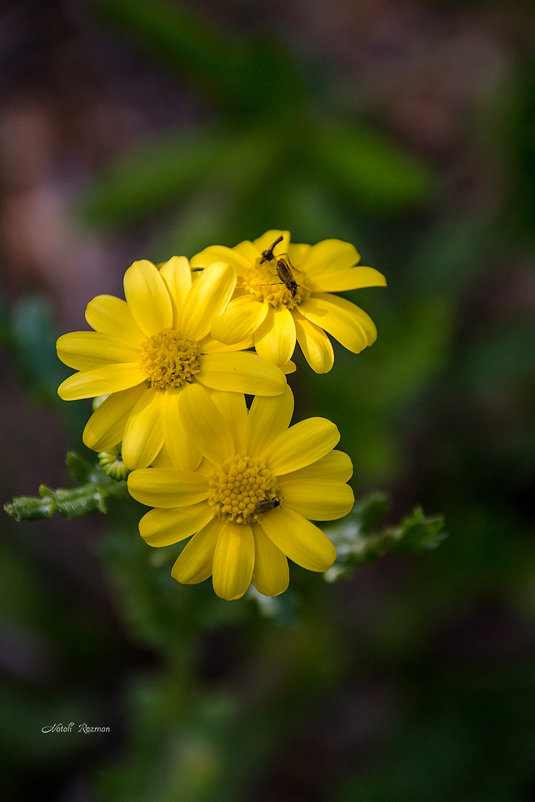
[170,361]
[264,281]
[242,489]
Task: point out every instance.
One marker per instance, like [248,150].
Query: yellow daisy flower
[152,348]
[284,294]
[248,503]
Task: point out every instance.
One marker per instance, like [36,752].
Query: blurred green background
[134,129]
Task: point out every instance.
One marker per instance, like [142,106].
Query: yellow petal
[179,445]
[301,444]
[334,465]
[270,574]
[219,253]
[211,346]
[163,460]
[195,562]
[85,350]
[347,323]
[297,253]
[317,499]
[177,275]
[101,381]
[163,527]
[206,425]
[241,372]
[248,251]
[148,297]
[105,427]
[241,318]
[315,345]
[268,417]
[275,339]
[234,411]
[143,437]
[299,539]
[233,561]
[111,315]
[354,278]
[328,255]
[207,298]
[158,487]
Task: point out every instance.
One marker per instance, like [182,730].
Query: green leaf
[356,543]
[149,177]
[418,532]
[378,176]
[33,337]
[74,502]
[240,75]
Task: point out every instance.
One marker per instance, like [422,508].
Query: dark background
[134,129]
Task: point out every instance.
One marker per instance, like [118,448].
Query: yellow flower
[152,348]
[249,501]
[284,294]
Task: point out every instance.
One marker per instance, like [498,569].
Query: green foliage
[89,497]
[358,542]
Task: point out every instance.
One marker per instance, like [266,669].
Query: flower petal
[274,340]
[158,487]
[219,253]
[105,427]
[353,278]
[207,298]
[329,255]
[299,539]
[148,297]
[268,417]
[143,437]
[179,445]
[205,424]
[195,562]
[241,372]
[301,444]
[334,465]
[177,276]
[317,499]
[297,253]
[110,315]
[85,350]
[271,574]
[233,561]
[234,411]
[163,527]
[315,345]
[101,381]
[347,323]
[241,318]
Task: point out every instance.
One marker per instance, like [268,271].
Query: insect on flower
[267,504]
[268,255]
[283,268]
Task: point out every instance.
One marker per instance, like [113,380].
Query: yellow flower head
[284,294]
[249,501]
[147,351]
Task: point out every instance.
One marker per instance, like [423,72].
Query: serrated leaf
[418,532]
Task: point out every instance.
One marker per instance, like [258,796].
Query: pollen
[170,361]
[262,280]
[237,488]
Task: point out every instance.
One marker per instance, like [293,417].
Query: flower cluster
[169,368]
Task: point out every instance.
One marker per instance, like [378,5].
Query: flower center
[275,283]
[170,361]
[242,489]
